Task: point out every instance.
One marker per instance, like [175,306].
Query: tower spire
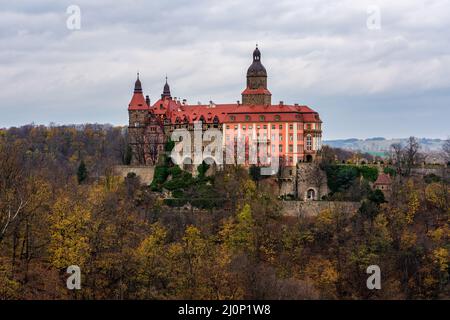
[166,91]
[138,85]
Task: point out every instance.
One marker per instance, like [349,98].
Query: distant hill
[380,145]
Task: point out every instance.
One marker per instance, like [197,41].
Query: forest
[62,205]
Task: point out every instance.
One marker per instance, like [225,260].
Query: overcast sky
[393,81]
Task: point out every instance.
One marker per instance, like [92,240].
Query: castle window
[273,127]
[291,148]
[309,142]
[228,127]
[235,127]
[291,127]
[280,147]
[281,126]
[265,126]
[244,127]
[308,126]
[258,126]
[311,194]
[250,127]
[281,137]
[291,137]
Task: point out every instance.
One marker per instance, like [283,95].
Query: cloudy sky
[366,76]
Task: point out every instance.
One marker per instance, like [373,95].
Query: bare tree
[396,155]
[446,150]
[12,192]
[411,154]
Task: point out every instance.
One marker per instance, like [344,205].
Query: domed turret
[256,91]
[256,69]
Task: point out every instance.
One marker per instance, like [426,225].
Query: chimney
[184,102]
[147,100]
[238,102]
[296,104]
[281,103]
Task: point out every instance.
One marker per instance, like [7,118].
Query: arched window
[311,194]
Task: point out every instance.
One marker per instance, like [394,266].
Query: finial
[138,75]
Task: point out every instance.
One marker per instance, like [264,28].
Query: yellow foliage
[325,217]
[435,193]
[324,274]
[408,240]
[68,241]
[441,258]
[249,189]
[439,234]
[239,235]
[413,205]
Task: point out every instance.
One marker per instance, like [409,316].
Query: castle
[296,129]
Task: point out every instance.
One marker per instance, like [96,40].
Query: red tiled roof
[256,91]
[383,179]
[138,102]
[176,110]
[196,112]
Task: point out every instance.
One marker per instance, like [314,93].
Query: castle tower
[256,91]
[138,111]
[166,91]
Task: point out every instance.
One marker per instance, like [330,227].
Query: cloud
[316,52]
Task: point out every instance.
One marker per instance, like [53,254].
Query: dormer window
[261,118]
[247,118]
[277,117]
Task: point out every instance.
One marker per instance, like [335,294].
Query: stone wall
[145,173]
[313,208]
[311,179]
[440,171]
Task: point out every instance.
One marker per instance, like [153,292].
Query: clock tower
[256,92]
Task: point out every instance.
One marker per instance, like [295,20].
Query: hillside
[381,145]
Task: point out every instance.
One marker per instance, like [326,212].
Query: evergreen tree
[128,156]
[82,172]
